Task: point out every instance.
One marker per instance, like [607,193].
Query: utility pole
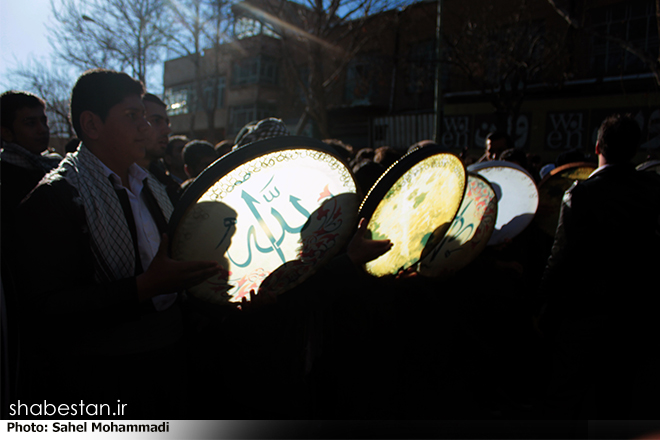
[438,104]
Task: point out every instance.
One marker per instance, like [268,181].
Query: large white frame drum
[271,213]
[517,197]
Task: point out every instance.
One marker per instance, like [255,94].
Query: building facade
[527,72]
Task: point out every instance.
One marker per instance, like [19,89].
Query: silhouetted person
[345,151]
[197,156]
[157,146]
[367,172]
[25,137]
[516,156]
[173,158]
[24,161]
[496,143]
[223,147]
[257,131]
[386,156]
[363,154]
[600,306]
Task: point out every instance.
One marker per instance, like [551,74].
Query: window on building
[242,114]
[420,75]
[180,100]
[245,27]
[365,79]
[632,21]
[255,70]
[219,95]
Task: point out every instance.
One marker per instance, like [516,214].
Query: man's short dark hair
[98,90]
[150,97]
[195,150]
[174,139]
[344,150]
[223,147]
[12,101]
[618,138]
[515,155]
[498,135]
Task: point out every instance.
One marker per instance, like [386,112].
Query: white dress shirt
[148,236]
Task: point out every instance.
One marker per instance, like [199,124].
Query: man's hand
[362,250]
[407,274]
[166,275]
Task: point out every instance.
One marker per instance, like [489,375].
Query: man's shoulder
[621,177]
[53,187]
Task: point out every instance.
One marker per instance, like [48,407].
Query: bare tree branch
[117,34]
[51,84]
[652,61]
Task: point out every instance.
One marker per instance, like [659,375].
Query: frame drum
[650,165]
[552,189]
[469,233]
[517,197]
[416,198]
[270,213]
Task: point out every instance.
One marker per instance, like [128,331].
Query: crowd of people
[96,309]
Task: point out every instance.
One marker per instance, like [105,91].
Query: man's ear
[187,170]
[91,124]
[597,149]
[7,134]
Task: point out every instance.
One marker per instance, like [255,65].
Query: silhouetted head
[618,139]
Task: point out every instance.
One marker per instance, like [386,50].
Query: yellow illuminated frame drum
[417,198]
[469,232]
[271,213]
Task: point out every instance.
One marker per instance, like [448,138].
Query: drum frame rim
[647,164]
[476,167]
[567,166]
[234,159]
[395,171]
[385,182]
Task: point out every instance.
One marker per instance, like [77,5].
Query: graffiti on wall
[519,131]
[566,130]
[456,132]
[579,129]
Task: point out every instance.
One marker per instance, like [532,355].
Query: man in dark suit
[599,303]
[24,160]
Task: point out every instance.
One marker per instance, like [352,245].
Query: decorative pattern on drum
[421,203]
[469,232]
[517,197]
[270,222]
[552,189]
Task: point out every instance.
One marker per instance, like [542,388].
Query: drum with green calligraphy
[270,213]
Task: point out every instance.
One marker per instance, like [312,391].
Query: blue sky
[22,34]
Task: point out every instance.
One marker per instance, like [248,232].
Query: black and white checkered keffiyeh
[264,129]
[111,242]
[19,156]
